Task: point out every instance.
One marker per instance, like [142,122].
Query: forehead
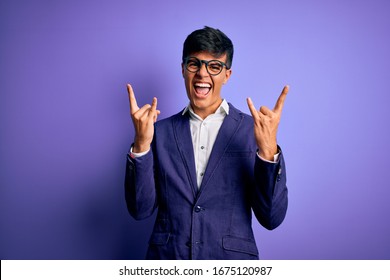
[208,56]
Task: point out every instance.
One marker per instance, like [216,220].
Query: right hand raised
[143,120]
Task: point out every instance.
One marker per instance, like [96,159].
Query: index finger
[133,102]
[280,102]
[252,108]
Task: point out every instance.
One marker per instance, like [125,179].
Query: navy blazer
[214,221]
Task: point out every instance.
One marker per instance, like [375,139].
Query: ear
[228,73]
[182,70]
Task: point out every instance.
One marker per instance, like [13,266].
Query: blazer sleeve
[140,190]
[269,195]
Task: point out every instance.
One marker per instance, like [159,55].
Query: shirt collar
[222,109]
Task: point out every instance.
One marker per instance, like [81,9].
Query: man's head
[207,59]
[209,40]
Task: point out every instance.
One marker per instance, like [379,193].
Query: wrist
[140,147]
[268,154]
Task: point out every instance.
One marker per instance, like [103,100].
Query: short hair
[210,40]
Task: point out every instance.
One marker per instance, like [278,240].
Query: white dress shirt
[203,134]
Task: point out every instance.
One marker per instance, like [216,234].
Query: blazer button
[198,209]
[279,175]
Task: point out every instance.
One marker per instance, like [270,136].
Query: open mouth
[202,89]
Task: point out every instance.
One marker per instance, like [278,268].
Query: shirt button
[201,174]
[202,147]
[198,209]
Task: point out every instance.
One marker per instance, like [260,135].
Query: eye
[215,66]
[192,65]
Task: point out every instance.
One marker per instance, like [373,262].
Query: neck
[205,112]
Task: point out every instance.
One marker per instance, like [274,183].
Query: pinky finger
[156,115]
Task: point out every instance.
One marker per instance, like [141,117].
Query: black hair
[210,40]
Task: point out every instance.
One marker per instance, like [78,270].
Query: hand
[143,120]
[266,123]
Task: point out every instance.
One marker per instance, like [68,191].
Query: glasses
[214,67]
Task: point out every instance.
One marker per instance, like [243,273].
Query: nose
[202,70]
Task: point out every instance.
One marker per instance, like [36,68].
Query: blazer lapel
[228,129]
[182,132]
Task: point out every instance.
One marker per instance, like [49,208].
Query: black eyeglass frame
[206,62]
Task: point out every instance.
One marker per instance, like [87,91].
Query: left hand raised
[266,123]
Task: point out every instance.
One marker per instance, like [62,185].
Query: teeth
[202,85]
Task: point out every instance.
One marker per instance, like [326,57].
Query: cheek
[187,83]
[218,83]
[186,80]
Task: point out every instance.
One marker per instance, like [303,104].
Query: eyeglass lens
[214,67]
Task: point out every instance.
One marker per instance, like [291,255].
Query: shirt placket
[202,151]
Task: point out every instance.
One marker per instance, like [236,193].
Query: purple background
[65,125]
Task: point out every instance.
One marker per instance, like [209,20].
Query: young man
[207,167]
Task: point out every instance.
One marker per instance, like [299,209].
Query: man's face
[203,89]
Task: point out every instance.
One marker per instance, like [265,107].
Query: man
[207,167]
